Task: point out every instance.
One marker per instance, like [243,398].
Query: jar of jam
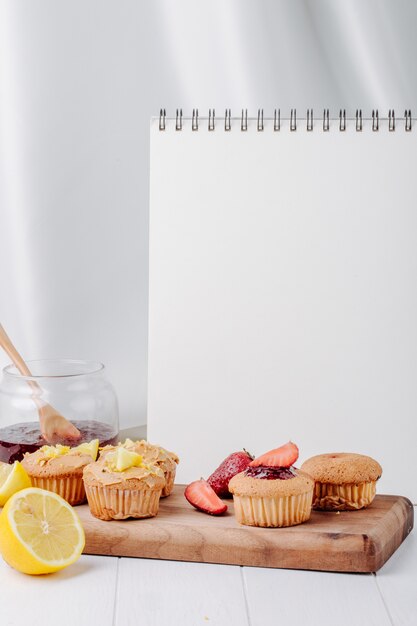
[78,390]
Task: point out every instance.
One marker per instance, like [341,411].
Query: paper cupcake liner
[351,497]
[108,504]
[71,489]
[273,512]
[169,484]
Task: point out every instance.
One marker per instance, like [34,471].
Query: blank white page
[283,301]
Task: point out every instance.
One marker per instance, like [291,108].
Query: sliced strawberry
[204,498]
[285,456]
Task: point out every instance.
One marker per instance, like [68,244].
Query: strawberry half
[203,497]
[285,456]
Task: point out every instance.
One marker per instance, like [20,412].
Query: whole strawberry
[232,465]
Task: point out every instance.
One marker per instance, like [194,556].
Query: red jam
[270,473]
[18,439]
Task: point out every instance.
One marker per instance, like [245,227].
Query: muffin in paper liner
[272,503]
[70,488]
[58,469]
[107,503]
[344,481]
[273,512]
[169,481]
[155,455]
[350,497]
[120,492]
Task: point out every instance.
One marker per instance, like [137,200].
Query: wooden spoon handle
[6,344]
[51,422]
[8,347]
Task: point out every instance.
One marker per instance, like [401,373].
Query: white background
[79,81]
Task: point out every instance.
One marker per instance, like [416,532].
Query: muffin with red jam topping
[271,492]
[343,481]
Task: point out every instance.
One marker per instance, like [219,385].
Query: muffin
[343,481]
[60,469]
[121,485]
[271,492]
[154,455]
[272,496]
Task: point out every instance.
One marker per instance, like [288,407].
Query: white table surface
[143,592]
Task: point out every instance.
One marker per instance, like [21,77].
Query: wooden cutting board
[352,541]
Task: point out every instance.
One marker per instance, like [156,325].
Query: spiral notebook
[282,295]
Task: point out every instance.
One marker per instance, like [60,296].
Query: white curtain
[79,81]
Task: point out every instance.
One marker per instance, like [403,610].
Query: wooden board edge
[373,550]
[402,509]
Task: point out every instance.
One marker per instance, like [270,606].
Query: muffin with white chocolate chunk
[153,455]
[60,469]
[121,484]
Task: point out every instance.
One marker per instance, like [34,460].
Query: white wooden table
[141,592]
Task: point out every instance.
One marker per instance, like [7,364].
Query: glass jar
[78,390]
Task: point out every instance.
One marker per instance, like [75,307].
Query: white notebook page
[283,294]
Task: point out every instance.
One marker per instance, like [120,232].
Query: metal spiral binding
[407,115]
[260,125]
[359,120]
[326,120]
[212,113]
[277,119]
[227,120]
[310,122]
[293,119]
[244,120]
[391,120]
[375,120]
[162,119]
[194,120]
[178,120]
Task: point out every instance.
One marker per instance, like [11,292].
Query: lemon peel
[13,478]
[40,532]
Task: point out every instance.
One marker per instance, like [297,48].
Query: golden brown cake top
[41,464]
[342,468]
[102,473]
[153,454]
[242,485]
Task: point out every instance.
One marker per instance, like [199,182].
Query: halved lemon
[40,532]
[13,478]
